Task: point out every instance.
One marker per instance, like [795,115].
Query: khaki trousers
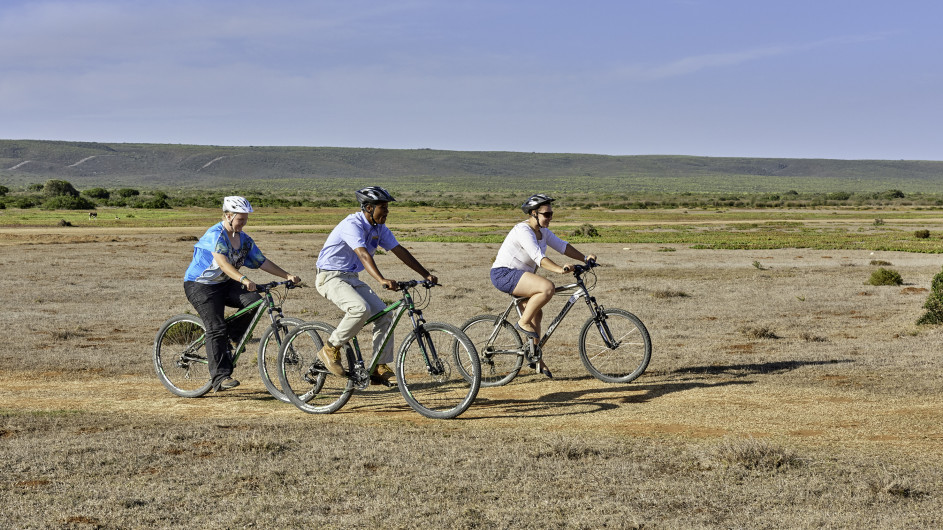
[358,302]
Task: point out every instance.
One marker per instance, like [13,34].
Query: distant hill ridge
[87,164]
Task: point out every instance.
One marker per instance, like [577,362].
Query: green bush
[57,188]
[934,303]
[587,230]
[24,202]
[97,193]
[884,276]
[922,234]
[68,202]
[4,190]
[127,192]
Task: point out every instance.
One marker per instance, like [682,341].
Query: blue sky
[796,79]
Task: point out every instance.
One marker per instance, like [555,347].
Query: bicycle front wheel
[501,358]
[429,370]
[268,354]
[305,381]
[180,356]
[628,354]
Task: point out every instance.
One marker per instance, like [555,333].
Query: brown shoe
[331,357]
[383,376]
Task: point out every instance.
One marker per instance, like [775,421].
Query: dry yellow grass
[847,397]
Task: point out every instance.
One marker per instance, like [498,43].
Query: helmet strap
[369,213]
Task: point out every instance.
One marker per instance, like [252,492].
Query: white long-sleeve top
[523,251]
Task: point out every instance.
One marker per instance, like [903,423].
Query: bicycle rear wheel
[630,353]
[268,355]
[429,375]
[180,356]
[305,380]
[502,360]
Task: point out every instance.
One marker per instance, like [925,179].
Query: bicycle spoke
[179,358]
[304,379]
[631,351]
[501,357]
[438,374]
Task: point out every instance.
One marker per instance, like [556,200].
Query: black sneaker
[226,384]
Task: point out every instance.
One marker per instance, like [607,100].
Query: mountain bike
[614,344]
[437,368]
[180,345]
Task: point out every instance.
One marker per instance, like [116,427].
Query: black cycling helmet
[535,201]
[373,195]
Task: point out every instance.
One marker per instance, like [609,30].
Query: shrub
[884,276]
[127,192]
[24,202]
[880,262]
[587,230]
[934,303]
[57,188]
[922,234]
[97,193]
[4,190]
[67,202]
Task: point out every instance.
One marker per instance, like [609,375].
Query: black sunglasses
[548,215]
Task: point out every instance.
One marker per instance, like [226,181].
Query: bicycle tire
[268,355]
[625,362]
[304,380]
[439,391]
[498,365]
[180,356]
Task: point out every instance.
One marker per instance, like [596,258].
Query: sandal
[530,334]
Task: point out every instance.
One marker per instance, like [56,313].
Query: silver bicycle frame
[515,303]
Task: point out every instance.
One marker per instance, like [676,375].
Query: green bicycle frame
[241,347]
[400,307]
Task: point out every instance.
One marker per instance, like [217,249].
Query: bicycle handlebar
[580,269]
[414,283]
[266,287]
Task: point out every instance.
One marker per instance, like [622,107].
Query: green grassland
[887,229]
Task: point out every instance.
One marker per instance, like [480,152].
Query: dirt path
[654,406]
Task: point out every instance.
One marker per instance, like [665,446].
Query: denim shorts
[505,279]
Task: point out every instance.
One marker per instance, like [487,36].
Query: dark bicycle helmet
[373,195]
[535,201]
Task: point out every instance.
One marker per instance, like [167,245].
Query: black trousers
[210,302]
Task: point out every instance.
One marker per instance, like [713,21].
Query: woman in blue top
[213,282]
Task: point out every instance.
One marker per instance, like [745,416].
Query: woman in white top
[523,251]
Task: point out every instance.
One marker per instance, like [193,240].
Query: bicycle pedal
[379,381]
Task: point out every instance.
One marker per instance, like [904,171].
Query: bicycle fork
[434,364]
[599,318]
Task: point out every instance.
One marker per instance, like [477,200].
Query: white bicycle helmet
[236,204]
